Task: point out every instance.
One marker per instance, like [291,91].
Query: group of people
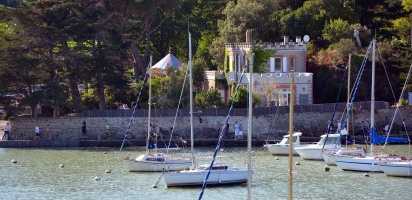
[331,127]
[37,132]
[238,131]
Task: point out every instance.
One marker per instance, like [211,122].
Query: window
[292,64]
[278,64]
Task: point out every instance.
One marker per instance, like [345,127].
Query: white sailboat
[327,143]
[366,163]
[215,173]
[402,167]
[156,162]
[282,148]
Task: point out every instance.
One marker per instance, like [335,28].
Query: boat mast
[373,97]
[348,100]
[191,99]
[150,105]
[249,134]
[291,105]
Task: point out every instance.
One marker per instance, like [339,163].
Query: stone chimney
[248,36]
[285,39]
[298,39]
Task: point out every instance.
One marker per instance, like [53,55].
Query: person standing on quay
[6,131]
[200,123]
[37,132]
[227,130]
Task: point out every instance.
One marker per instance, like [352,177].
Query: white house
[274,85]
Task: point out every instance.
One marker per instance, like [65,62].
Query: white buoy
[276,158]
[154,186]
[97,178]
[297,163]
[327,168]
[61,165]
[222,149]
[366,175]
[108,171]
[13,161]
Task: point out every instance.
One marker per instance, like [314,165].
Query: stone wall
[264,126]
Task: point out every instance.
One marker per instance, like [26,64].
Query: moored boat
[221,174]
[327,143]
[282,147]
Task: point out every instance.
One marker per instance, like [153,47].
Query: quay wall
[264,127]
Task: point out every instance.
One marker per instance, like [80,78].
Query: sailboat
[366,163]
[314,151]
[282,148]
[156,162]
[357,151]
[210,174]
[402,167]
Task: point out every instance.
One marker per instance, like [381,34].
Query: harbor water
[38,175]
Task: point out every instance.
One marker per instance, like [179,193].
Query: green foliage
[242,98]
[261,59]
[209,99]
[90,100]
[402,27]
[335,30]
[403,102]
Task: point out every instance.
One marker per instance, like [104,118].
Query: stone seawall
[264,126]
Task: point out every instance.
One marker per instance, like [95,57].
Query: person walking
[107,132]
[236,131]
[37,132]
[84,130]
[339,127]
[6,131]
[48,135]
[240,132]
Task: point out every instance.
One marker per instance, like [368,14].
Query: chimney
[285,39]
[298,39]
[248,36]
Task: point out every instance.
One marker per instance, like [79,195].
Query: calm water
[37,175]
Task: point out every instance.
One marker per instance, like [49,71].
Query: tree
[239,17]
[209,99]
[335,30]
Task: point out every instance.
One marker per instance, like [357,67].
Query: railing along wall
[184,112]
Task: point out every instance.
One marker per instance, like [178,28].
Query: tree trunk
[100,91]
[75,94]
[56,110]
[33,111]
[138,63]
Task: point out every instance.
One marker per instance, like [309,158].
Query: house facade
[273,87]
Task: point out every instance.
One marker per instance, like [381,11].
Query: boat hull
[362,164]
[196,178]
[315,152]
[329,156]
[403,169]
[280,149]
